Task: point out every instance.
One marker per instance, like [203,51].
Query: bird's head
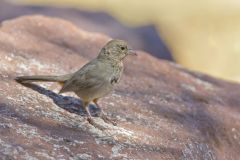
[116,50]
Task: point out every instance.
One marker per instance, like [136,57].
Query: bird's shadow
[68,103]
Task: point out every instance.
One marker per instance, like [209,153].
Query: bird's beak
[132,52]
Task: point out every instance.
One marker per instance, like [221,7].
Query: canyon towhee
[95,79]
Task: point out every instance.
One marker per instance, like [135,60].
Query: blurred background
[200,35]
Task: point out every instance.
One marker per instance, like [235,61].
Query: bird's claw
[94,124]
[107,120]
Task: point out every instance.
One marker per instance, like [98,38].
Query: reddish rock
[144,37]
[163,111]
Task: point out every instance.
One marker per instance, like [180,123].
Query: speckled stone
[163,111]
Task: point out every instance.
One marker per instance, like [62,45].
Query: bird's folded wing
[86,78]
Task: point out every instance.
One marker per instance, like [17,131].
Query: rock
[163,111]
[144,37]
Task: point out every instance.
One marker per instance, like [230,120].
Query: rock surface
[144,37]
[163,111]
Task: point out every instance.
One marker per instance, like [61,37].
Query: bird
[94,80]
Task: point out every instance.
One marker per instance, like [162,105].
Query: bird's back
[94,80]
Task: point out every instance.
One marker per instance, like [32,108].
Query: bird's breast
[116,73]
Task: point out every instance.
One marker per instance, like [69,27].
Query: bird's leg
[103,115]
[89,117]
[85,107]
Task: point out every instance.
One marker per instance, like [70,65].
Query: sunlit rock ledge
[163,111]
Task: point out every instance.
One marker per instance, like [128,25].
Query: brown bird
[95,79]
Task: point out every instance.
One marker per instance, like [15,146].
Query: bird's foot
[108,120]
[94,124]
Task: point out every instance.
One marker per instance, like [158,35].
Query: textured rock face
[163,111]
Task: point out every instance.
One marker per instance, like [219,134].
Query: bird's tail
[27,79]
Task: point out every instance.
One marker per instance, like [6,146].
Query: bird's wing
[87,77]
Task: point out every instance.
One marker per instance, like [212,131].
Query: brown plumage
[95,79]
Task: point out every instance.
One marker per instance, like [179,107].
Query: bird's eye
[122,48]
